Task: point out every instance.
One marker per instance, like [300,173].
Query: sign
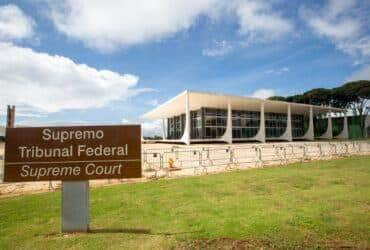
[72,153]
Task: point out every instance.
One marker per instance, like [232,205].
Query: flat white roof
[197,100]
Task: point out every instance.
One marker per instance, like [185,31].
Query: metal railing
[196,160]
[158,162]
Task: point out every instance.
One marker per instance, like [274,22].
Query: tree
[277,98]
[339,98]
[319,96]
[355,96]
[296,98]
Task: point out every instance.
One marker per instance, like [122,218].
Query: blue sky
[69,62]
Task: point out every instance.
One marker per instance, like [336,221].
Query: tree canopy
[344,96]
[354,96]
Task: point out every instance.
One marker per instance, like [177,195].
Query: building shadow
[136,231]
[120,230]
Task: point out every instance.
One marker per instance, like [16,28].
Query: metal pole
[75,206]
[10,116]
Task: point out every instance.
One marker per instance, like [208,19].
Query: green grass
[324,203]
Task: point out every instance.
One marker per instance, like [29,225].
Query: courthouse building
[194,116]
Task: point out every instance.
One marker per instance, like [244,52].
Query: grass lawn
[324,203]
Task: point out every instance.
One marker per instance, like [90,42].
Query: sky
[108,62]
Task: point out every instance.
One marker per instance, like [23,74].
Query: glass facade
[196,124]
[275,124]
[320,126]
[214,122]
[337,125]
[245,123]
[299,125]
[210,123]
[175,127]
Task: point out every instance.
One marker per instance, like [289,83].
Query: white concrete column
[261,135]
[186,136]
[288,132]
[163,129]
[309,135]
[329,130]
[228,135]
[344,133]
[330,126]
[367,124]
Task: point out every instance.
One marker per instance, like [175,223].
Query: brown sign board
[72,153]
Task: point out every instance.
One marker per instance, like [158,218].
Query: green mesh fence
[354,127]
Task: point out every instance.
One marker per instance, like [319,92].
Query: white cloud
[14,24]
[31,115]
[23,111]
[220,48]
[113,24]
[153,102]
[259,22]
[125,121]
[362,74]
[263,93]
[52,83]
[148,128]
[336,30]
[152,128]
[342,22]
[277,71]
[359,48]
[108,25]
[38,123]
[20,114]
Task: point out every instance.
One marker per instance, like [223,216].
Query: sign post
[75,206]
[10,116]
[73,155]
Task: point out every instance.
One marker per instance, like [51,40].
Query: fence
[196,160]
[193,160]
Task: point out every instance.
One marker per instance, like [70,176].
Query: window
[275,124]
